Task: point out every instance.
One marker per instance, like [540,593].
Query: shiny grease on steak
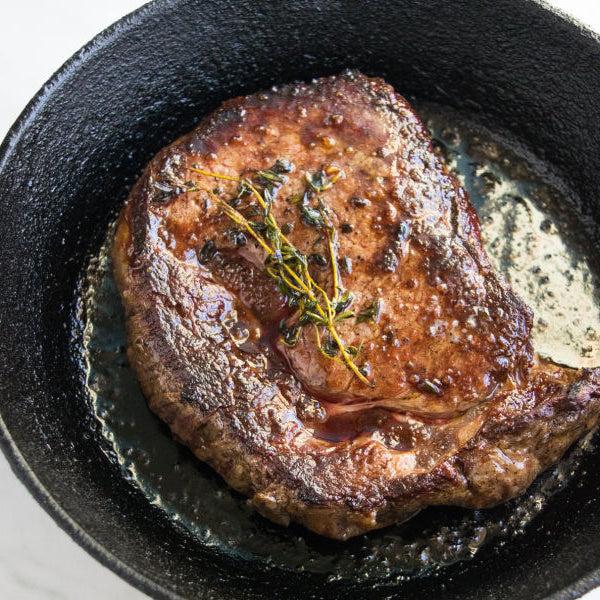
[461,412]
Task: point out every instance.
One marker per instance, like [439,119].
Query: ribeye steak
[456,410]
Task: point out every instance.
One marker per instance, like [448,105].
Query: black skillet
[68,162]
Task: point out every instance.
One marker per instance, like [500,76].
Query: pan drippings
[531,234]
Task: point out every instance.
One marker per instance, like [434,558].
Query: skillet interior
[66,168]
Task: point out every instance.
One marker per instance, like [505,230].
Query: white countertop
[38,561]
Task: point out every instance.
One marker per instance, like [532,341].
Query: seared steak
[451,405]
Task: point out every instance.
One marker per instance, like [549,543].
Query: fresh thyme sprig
[285,264]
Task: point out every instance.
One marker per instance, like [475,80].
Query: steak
[430,395]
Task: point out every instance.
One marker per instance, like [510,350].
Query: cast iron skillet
[68,162]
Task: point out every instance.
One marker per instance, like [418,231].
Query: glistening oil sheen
[531,234]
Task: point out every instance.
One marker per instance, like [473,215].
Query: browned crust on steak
[253,423]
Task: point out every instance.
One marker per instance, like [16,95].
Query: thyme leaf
[330,346]
[370,313]
[289,335]
[311,216]
[344,302]
[346,265]
[347,314]
[354,350]
[317,259]
[237,237]
[318,181]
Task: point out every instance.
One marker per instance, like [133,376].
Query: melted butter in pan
[532,235]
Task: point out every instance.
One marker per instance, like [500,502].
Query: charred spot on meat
[310,309]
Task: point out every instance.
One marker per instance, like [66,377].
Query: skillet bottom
[526,223]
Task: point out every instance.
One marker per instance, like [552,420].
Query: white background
[38,561]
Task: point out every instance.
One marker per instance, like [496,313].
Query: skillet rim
[18,465]
[15,458]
